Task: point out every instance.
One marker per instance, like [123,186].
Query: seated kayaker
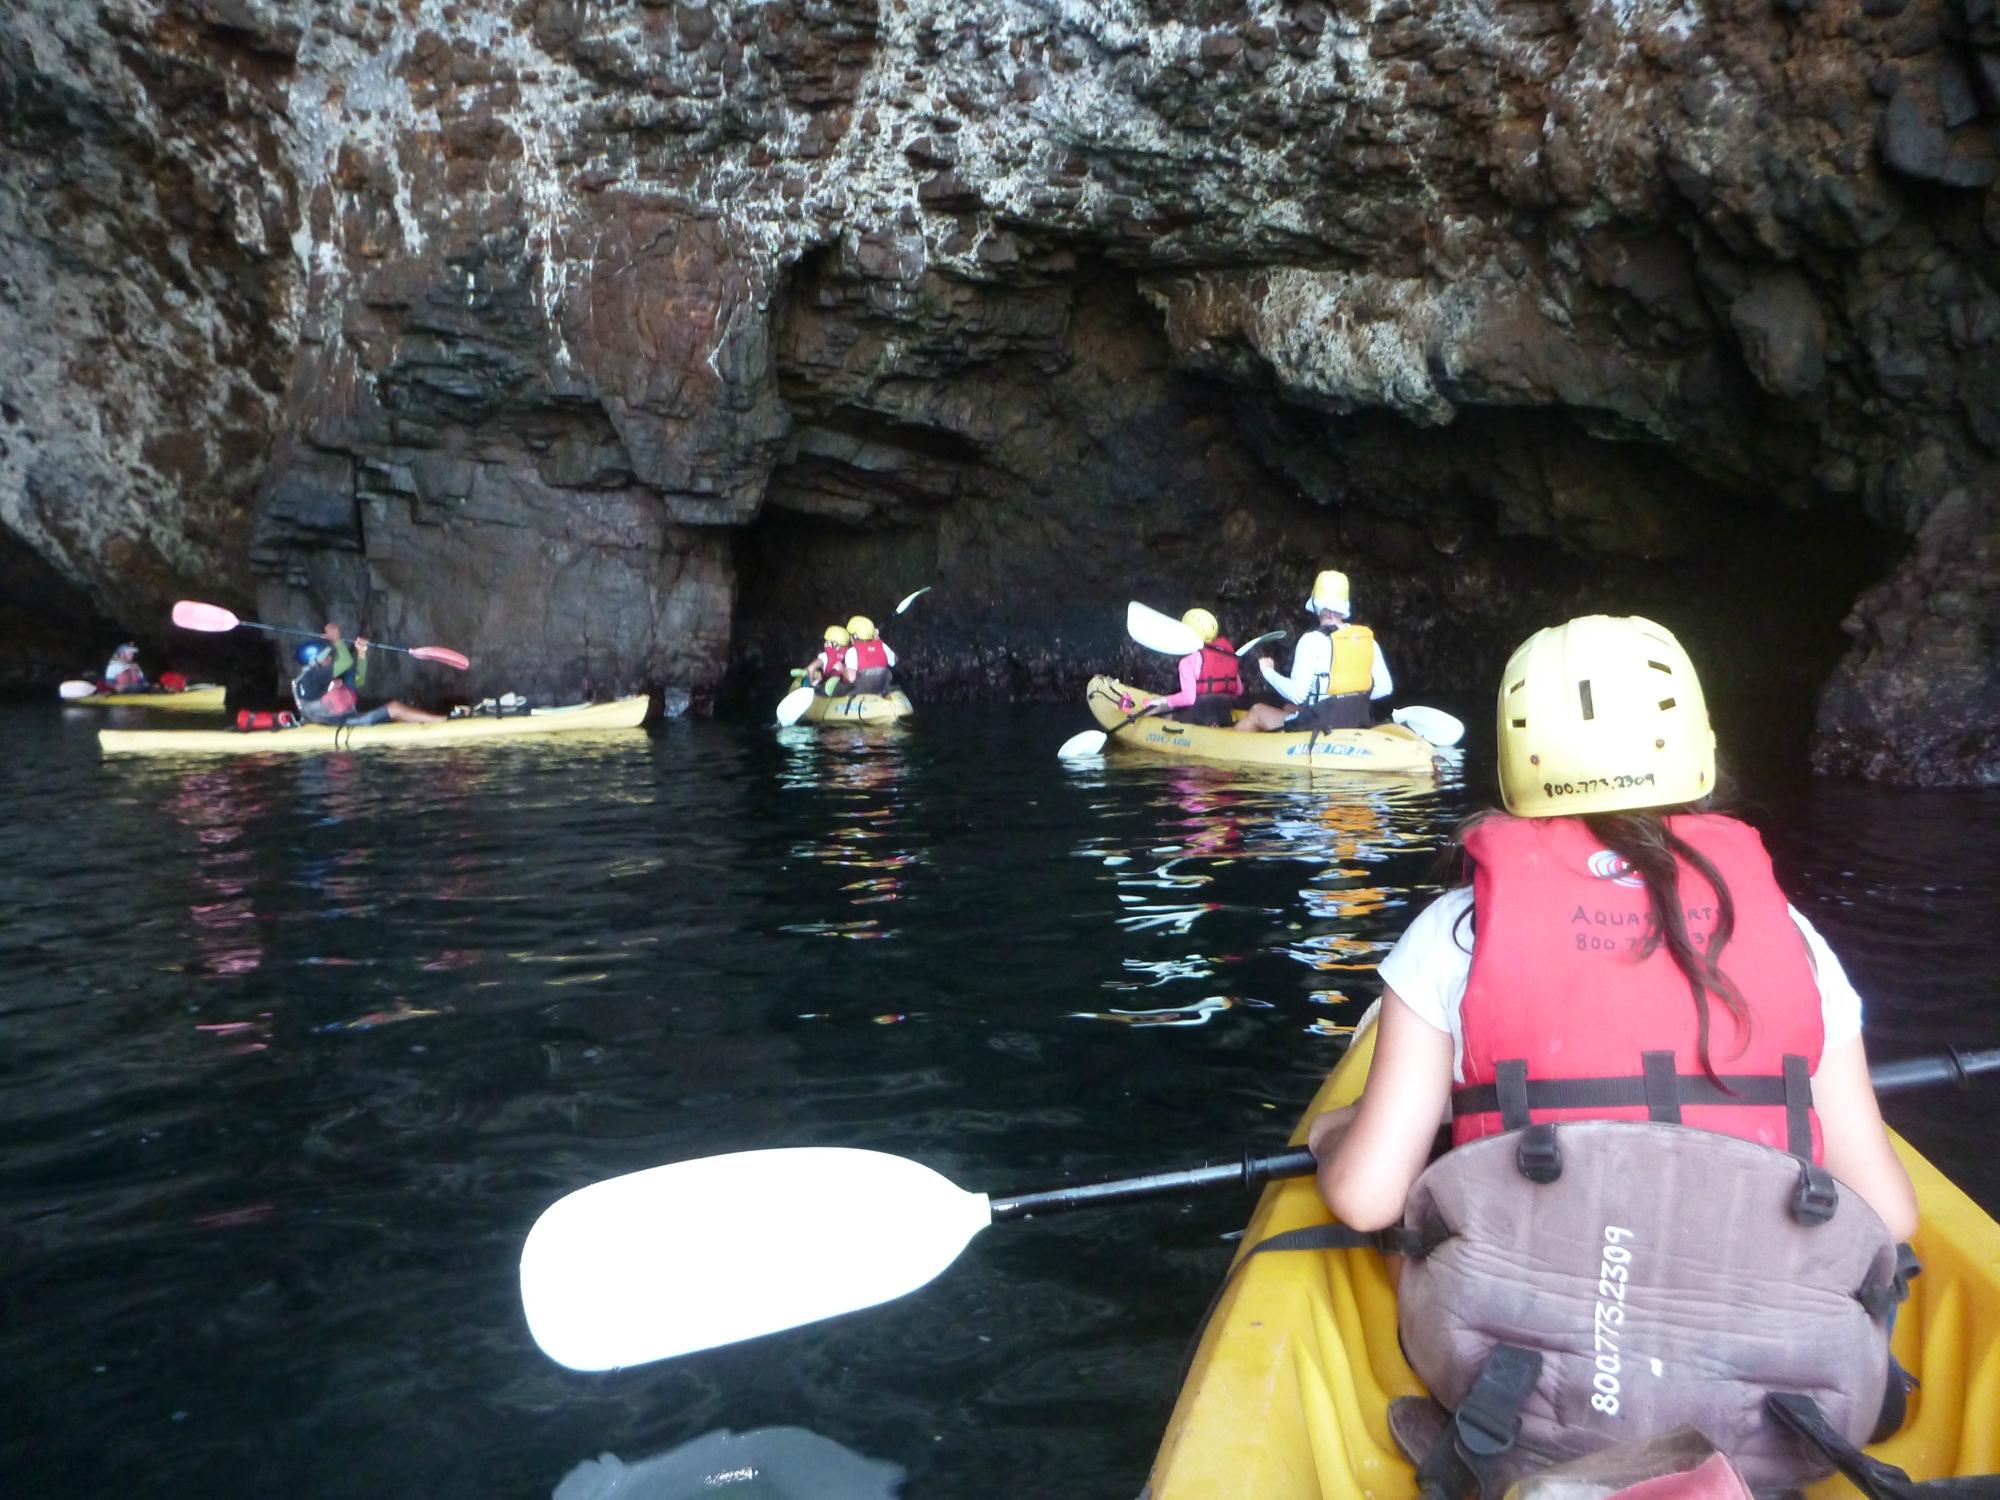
[827,671]
[325,695]
[1669,1191]
[867,661]
[1337,670]
[1210,679]
[122,673]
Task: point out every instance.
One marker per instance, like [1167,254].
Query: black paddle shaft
[1952,1066]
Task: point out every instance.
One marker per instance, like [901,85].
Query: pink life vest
[1557,991]
[870,655]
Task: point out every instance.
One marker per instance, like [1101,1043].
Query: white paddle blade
[1434,724]
[1266,639]
[1083,746]
[910,599]
[1158,632]
[76,688]
[702,1253]
[792,707]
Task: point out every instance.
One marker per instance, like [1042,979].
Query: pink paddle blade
[443,654]
[192,616]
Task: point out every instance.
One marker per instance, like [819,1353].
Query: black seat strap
[1875,1479]
[1798,1105]
[1483,1428]
[1663,1099]
[1510,1093]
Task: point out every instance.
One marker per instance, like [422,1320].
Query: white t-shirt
[1432,960]
[1312,664]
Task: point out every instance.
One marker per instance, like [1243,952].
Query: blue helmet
[309,652]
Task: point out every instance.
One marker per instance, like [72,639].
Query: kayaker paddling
[1663,1130]
[329,674]
[1338,670]
[866,665]
[1210,681]
[828,669]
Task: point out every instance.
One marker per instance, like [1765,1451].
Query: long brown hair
[1643,839]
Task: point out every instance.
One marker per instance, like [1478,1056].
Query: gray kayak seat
[1570,1287]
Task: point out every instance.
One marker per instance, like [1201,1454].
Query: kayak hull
[859,708]
[1386,749]
[1288,1394]
[205,698]
[623,713]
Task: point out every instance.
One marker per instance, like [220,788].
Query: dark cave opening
[1038,485]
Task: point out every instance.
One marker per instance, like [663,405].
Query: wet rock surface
[623,346]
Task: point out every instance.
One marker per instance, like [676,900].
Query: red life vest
[870,655]
[1554,985]
[831,662]
[1220,671]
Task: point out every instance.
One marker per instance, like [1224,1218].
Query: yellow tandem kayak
[1388,749]
[1288,1395]
[199,698]
[622,713]
[859,708]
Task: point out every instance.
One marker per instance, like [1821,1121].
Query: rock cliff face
[628,343]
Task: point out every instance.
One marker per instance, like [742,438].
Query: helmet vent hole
[1659,744]
[1666,703]
[1519,723]
[1583,696]
[1518,686]
[1660,666]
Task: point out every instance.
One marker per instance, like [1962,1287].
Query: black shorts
[1342,711]
[1215,709]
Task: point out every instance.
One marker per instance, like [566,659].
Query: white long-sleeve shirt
[1312,665]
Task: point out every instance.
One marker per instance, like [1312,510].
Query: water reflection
[857,778]
[1228,826]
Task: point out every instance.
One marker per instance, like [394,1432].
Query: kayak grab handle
[1252,1171]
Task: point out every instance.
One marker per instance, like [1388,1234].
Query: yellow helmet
[1329,592]
[1203,624]
[835,635]
[1603,714]
[861,628]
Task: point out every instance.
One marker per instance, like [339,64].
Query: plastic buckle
[1489,1418]
[1816,1197]
[1538,1156]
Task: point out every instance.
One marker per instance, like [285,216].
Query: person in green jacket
[325,689]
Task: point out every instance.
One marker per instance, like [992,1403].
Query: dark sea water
[293,1051]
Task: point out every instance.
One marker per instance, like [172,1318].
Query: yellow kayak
[199,698]
[1387,749]
[622,713]
[859,708]
[1288,1395]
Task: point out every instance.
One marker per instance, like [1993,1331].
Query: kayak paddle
[1263,640]
[1158,632]
[792,707]
[1433,724]
[190,615]
[702,1253]
[76,688]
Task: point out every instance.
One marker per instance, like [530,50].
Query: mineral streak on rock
[625,344]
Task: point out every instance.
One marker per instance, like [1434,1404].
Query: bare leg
[402,713]
[1262,718]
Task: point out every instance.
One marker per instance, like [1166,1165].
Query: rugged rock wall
[583,335]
